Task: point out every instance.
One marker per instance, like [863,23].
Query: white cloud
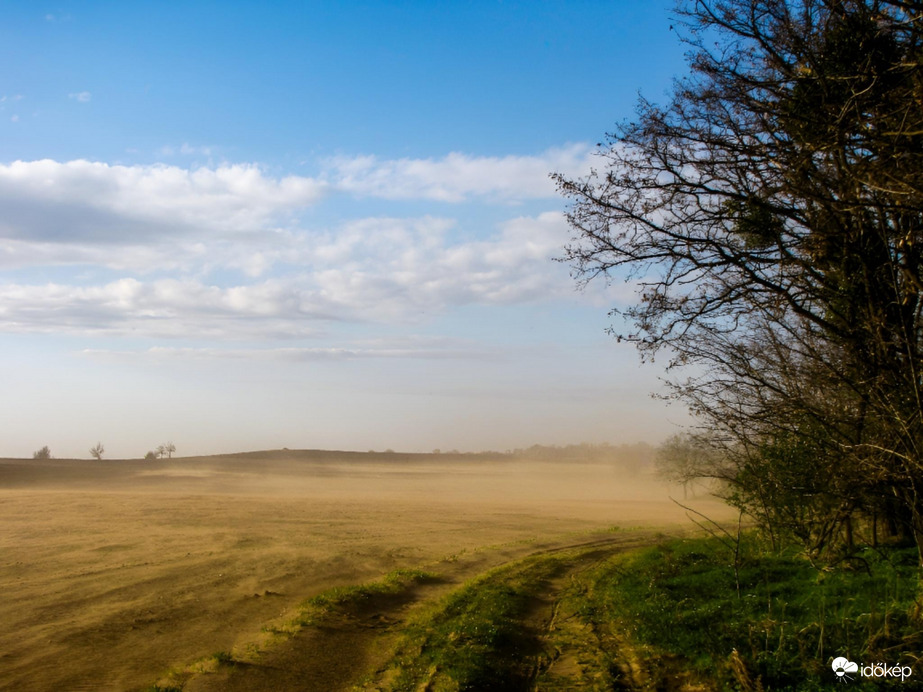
[457,177]
[373,270]
[168,235]
[396,268]
[97,203]
[168,217]
[14,118]
[165,308]
[81,96]
[82,204]
[179,255]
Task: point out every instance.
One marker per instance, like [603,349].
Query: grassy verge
[676,607]
[344,599]
[478,637]
[673,616]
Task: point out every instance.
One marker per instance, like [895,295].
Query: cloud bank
[370,270]
[224,252]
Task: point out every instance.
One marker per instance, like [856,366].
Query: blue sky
[327,225]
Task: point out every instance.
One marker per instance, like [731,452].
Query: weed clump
[223,658]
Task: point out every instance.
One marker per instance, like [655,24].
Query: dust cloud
[114,571]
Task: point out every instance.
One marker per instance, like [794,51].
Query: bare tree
[689,459]
[97,451]
[169,448]
[772,217]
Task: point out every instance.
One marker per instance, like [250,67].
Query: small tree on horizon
[97,451]
[43,453]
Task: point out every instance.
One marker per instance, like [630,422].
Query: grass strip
[338,601]
[344,599]
[477,637]
[678,601]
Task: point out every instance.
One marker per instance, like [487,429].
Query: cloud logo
[842,666]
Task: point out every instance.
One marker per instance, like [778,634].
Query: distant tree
[687,459]
[43,453]
[97,451]
[161,451]
[150,456]
[169,448]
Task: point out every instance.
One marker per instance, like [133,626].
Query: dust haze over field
[116,572]
[207,239]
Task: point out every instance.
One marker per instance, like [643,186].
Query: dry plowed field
[117,575]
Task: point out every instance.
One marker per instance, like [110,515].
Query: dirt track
[114,573]
[350,651]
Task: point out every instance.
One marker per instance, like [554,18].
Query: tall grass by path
[667,617]
[678,601]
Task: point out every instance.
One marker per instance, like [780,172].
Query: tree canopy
[772,216]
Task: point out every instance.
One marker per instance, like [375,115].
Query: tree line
[771,215]
[633,458]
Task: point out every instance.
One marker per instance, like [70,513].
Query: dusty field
[112,573]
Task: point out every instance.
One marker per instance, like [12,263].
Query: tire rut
[573,657]
[352,648]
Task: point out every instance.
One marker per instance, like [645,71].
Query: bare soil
[114,573]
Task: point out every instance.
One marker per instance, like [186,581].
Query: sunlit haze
[240,226]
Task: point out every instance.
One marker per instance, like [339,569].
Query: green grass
[680,599]
[344,598]
[223,658]
[475,638]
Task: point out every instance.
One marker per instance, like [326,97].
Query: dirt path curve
[351,649]
[571,653]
